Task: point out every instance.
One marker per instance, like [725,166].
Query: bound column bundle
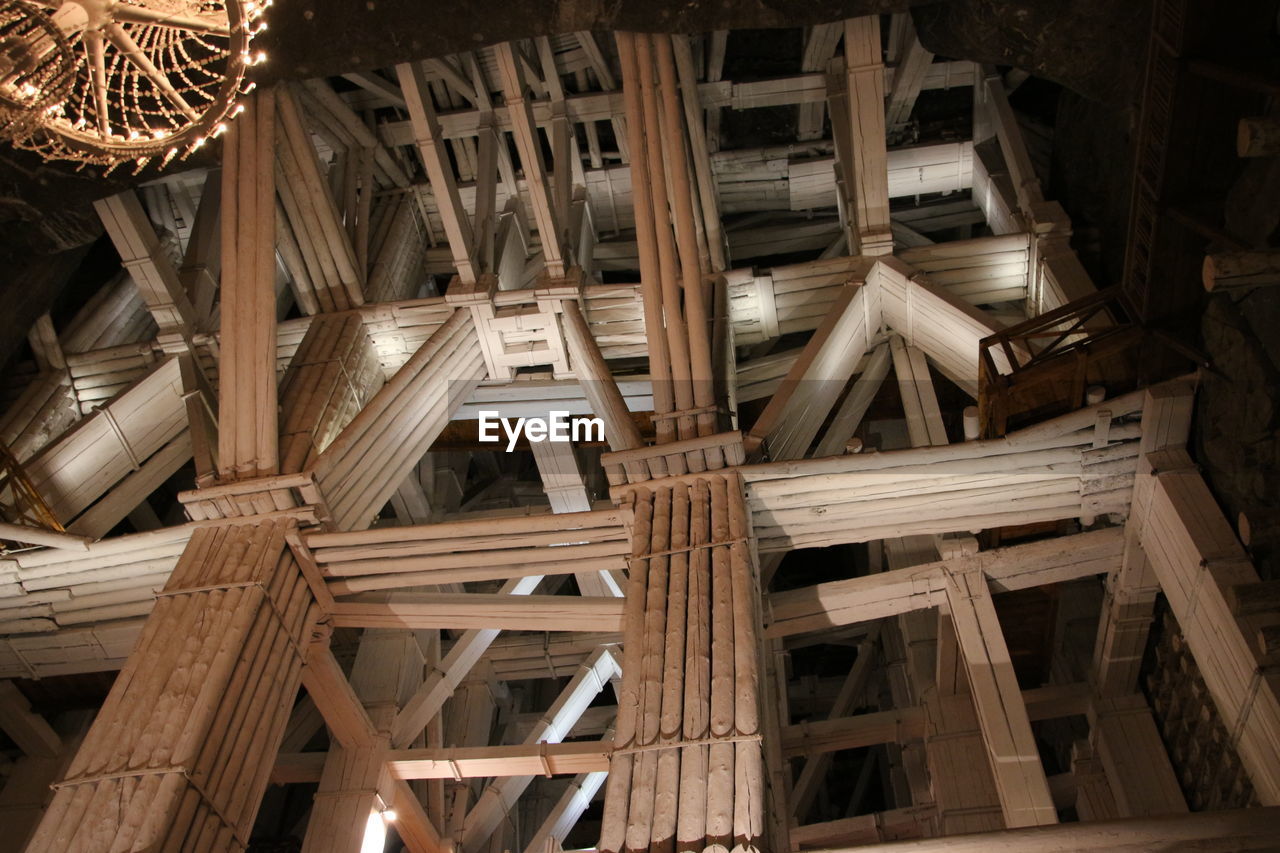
[671,259]
[182,749]
[333,374]
[687,771]
[360,470]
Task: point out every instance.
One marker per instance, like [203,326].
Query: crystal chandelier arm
[208,25]
[129,50]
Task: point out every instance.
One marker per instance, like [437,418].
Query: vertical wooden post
[247,430]
[869,166]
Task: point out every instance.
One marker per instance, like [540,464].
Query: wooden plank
[426,130]
[876,596]
[525,132]
[1006,727]
[482,610]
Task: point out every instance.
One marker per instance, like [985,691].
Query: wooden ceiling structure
[325,578]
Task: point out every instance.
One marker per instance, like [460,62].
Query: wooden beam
[819,46]
[365,463]
[1132,588]
[248,434]
[131,492]
[469,762]
[899,725]
[890,825]
[564,815]
[595,672]
[329,688]
[714,95]
[868,165]
[440,684]
[908,79]
[1241,270]
[482,610]
[795,413]
[919,402]
[426,131]
[849,416]
[152,271]
[525,131]
[814,771]
[877,596]
[566,490]
[1133,756]
[1025,183]
[700,152]
[1006,727]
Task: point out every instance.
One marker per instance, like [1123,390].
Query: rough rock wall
[1238,410]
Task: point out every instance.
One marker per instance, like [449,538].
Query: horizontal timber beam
[900,591]
[420,611]
[539,759]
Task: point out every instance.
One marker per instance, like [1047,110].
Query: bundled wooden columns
[687,772]
[332,375]
[247,439]
[671,259]
[183,747]
[361,469]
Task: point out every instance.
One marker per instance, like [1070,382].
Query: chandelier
[105,82]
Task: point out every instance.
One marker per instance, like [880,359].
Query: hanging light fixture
[105,82]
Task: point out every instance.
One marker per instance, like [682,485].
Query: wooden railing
[1055,358]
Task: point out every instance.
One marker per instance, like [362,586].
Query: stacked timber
[365,464]
[97,647]
[615,313]
[104,448]
[100,374]
[947,328]
[672,458]
[115,579]
[331,376]
[399,329]
[515,657]
[765,304]
[115,315]
[687,769]
[292,495]
[791,420]
[1048,472]
[397,249]
[936,168]
[39,414]
[467,551]
[979,271]
[760,378]
[181,752]
[787,299]
[795,178]
[317,248]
